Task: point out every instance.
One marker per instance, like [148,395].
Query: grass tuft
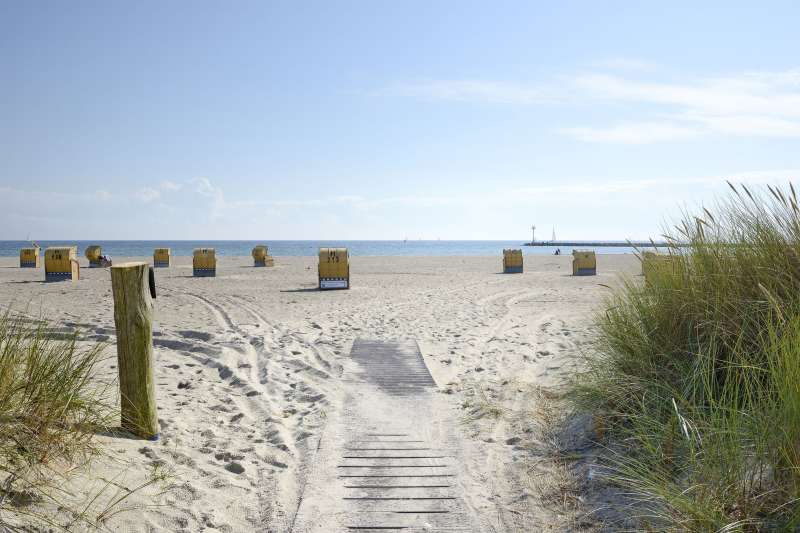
[697,377]
[51,406]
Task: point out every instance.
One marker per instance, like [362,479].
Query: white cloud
[218,205]
[748,94]
[204,187]
[751,104]
[564,191]
[617,186]
[199,209]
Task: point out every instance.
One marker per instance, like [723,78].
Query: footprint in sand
[235,468]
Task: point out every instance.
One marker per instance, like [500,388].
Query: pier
[598,244]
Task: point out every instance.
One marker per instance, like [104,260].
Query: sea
[310,248]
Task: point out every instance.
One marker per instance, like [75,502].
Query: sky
[388,120]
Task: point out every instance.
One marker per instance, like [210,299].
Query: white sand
[249,368]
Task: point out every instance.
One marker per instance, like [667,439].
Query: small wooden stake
[133,317]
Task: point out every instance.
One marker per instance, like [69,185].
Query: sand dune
[250,368]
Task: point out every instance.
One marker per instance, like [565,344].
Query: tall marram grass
[51,405]
[697,376]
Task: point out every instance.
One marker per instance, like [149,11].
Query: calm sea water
[304,248]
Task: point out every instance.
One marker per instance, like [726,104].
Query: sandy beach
[255,381]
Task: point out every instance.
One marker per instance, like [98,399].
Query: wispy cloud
[205,203]
[217,204]
[752,104]
[561,192]
[619,186]
[749,93]
[204,187]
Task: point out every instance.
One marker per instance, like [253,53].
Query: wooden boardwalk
[389,460]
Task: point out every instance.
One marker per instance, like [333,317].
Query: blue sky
[386,120]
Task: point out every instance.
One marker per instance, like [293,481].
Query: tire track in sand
[270,402]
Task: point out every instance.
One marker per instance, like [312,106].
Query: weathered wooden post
[134,291]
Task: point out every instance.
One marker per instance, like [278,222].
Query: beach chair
[584,263]
[29,257]
[334,268]
[512,261]
[161,257]
[61,264]
[95,256]
[261,257]
[204,263]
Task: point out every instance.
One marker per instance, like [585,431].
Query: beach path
[389,458]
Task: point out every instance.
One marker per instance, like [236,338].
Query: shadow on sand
[309,289]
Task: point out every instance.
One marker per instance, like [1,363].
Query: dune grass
[696,382]
[50,408]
